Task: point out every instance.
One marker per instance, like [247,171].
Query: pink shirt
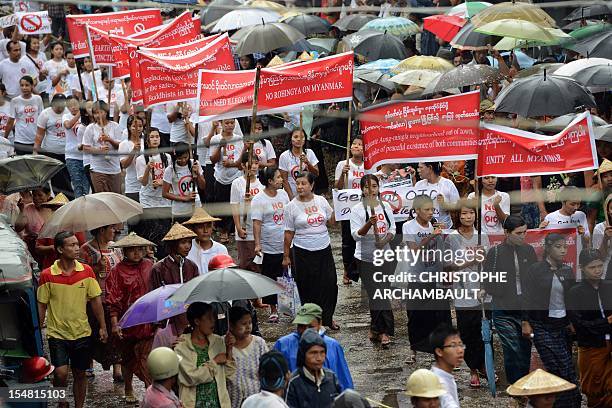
[158,396]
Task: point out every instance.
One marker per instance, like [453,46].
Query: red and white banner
[33,22]
[287,87]
[174,79]
[415,131]
[508,152]
[122,23]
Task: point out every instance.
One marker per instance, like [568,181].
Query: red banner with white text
[509,152]
[287,87]
[122,23]
[174,79]
[414,131]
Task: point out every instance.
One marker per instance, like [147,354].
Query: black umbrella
[264,38]
[574,25]
[468,39]
[374,45]
[599,45]
[353,22]
[376,78]
[217,9]
[463,75]
[544,95]
[27,172]
[309,24]
[303,45]
[592,10]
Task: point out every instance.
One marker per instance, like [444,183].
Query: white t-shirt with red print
[152,197]
[231,152]
[237,197]
[25,112]
[5,111]
[271,212]
[354,175]
[55,133]
[291,164]
[180,179]
[309,222]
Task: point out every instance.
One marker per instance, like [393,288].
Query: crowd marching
[260,188]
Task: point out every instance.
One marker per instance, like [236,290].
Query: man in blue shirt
[309,316]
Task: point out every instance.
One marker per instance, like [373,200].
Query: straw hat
[605,167]
[132,240]
[59,200]
[305,56]
[539,382]
[179,232]
[200,216]
[275,62]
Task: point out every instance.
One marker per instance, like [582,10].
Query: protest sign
[344,200]
[415,131]
[122,23]
[508,152]
[400,194]
[22,6]
[8,21]
[230,94]
[33,23]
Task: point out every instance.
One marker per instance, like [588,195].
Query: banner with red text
[286,87]
[414,131]
[509,152]
[122,23]
[174,79]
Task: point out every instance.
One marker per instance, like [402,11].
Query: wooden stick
[250,148]
[478,198]
[93,71]
[348,141]
[83,96]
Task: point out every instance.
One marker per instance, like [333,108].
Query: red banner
[509,152]
[414,131]
[230,94]
[122,23]
[173,79]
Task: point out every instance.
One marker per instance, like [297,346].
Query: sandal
[273,318]
[385,341]
[334,326]
[130,399]
[474,381]
[346,281]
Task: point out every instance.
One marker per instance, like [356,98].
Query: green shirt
[206,393]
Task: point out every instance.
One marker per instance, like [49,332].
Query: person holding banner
[179,116]
[118,105]
[308,248]
[348,174]
[23,114]
[372,227]
[569,214]
[87,77]
[494,206]
[267,212]
[295,161]
[545,298]
[446,194]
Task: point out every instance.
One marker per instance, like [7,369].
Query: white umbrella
[573,67]
[90,212]
[245,17]
[417,77]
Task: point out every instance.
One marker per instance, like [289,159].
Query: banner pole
[348,140]
[250,148]
[93,71]
[83,96]
[478,202]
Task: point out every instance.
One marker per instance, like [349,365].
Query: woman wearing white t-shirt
[262,148]
[296,160]
[267,212]
[240,202]
[131,147]
[100,139]
[6,148]
[440,189]
[308,248]
[495,206]
[24,111]
[118,105]
[602,238]
[372,227]
[348,175]
[57,71]
[178,183]
[74,147]
[36,60]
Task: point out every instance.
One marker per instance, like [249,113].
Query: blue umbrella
[153,307]
[383,65]
[488,343]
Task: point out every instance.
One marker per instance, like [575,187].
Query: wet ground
[378,374]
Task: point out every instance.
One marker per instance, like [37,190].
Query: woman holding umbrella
[128,281]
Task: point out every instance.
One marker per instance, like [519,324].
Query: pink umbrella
[443,26]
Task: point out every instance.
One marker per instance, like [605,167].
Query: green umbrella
[590,30]
[27,172]
[398,26]
[468,9]
[521,29]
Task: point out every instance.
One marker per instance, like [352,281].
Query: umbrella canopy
[90,212]
[267,5]
[226,284]
[419,77]
[383,65]
[604,133]
[153,307]
[574,25]
[598,76]
[576,66]
[217,9]
[599,45]
[443,26]
[510,43]
[244,17]
[521,29]
[592,10]
[398,26]
[308,24]
[543,95]
[423,62]
[463,75]
[374,45]
[353,22]
[468,9]
[487,338]
[301,46]
[590,30]
[515,11]
[469,39]
[376,78]
[27,172]
[539,69]
[561,122]
[264,38]
[328,44]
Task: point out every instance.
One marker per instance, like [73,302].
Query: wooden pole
[478,198]
[83,96]
[93,72]
[250,148]
[348,140]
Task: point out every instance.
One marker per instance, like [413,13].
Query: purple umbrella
[153,307]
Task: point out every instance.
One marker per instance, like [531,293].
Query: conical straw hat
[200,216]
[275,62]
[59,200]
[539,382]
[132,240]
[178,232]
[305,56]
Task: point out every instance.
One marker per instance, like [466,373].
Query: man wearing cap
[175,267]
[487,111]
[203,248]
[274,375]
[128,281]
[424,389]
[310,316]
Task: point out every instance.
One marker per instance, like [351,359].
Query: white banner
[34,23]
[8,21]
[400,194]
[344,200]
